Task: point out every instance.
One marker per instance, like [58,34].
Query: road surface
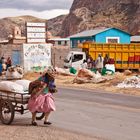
[83,115]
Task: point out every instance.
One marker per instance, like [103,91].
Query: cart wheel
[39,116]
[7,112]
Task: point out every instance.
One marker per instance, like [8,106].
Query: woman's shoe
[48,123]
[34,123]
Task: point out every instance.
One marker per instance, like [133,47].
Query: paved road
[93,114]
[109,116]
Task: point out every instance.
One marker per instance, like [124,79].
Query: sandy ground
[109,86]
[39,133]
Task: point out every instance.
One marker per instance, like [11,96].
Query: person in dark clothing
[0,67]
[8,62]
[106,59]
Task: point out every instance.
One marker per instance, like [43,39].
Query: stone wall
[6,50]
[59,53]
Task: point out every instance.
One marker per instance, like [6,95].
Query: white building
[60,41]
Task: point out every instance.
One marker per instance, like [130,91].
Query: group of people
[5,63]
[41,99]
[98,64]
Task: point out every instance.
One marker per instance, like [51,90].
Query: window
[59,42]
[77,57]
[112,40]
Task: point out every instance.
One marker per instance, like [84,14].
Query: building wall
[124,37]
[62,43]
[59,53]
[12,50]
[101,37]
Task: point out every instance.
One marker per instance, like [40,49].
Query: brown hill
[84,14]
[89,14]
[7,24]
[55,25]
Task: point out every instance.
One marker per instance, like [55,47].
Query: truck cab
[74,59]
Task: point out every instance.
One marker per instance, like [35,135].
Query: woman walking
[42,96]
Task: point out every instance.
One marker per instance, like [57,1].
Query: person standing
[89,62]
[84,65]
[8,62]
[106,59]
[3,63]
[99,63]
[0,67]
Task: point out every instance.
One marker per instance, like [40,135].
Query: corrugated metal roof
[60,39]
[89,32]
[135,38]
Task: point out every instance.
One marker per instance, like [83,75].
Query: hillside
[91,14]
[55,25]
[7,24]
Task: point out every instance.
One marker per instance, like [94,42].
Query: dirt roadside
[13,132]
[109,86]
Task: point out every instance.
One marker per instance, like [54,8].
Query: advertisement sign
[36,32]
[36,56]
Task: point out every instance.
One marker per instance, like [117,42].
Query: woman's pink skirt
[42,103]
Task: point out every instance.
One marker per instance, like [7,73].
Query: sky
[45,9]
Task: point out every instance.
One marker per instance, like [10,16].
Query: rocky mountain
[89,14]
[84,14]
[8,24]
[55,25]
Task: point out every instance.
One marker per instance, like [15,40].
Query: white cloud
[36,5]
[41,14]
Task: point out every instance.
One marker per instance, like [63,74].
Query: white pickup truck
[74,59]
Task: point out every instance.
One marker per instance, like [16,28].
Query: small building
[135,39]
[60,41]
[106,35]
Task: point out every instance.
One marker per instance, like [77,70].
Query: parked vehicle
[124,56]
[74,59]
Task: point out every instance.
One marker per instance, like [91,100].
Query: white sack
[11,86]
[24,83]
[110,67]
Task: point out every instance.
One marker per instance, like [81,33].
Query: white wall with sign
[36,57]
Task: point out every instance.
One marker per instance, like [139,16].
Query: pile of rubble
[84,76]
[87,76]
[132,82]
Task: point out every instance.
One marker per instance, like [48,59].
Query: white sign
[36,24]
[36,35]
[35,30]
[36,40]
[36,56]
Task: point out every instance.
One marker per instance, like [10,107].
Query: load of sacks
[14,72]
[18,86]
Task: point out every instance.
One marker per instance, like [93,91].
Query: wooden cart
[11,102]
